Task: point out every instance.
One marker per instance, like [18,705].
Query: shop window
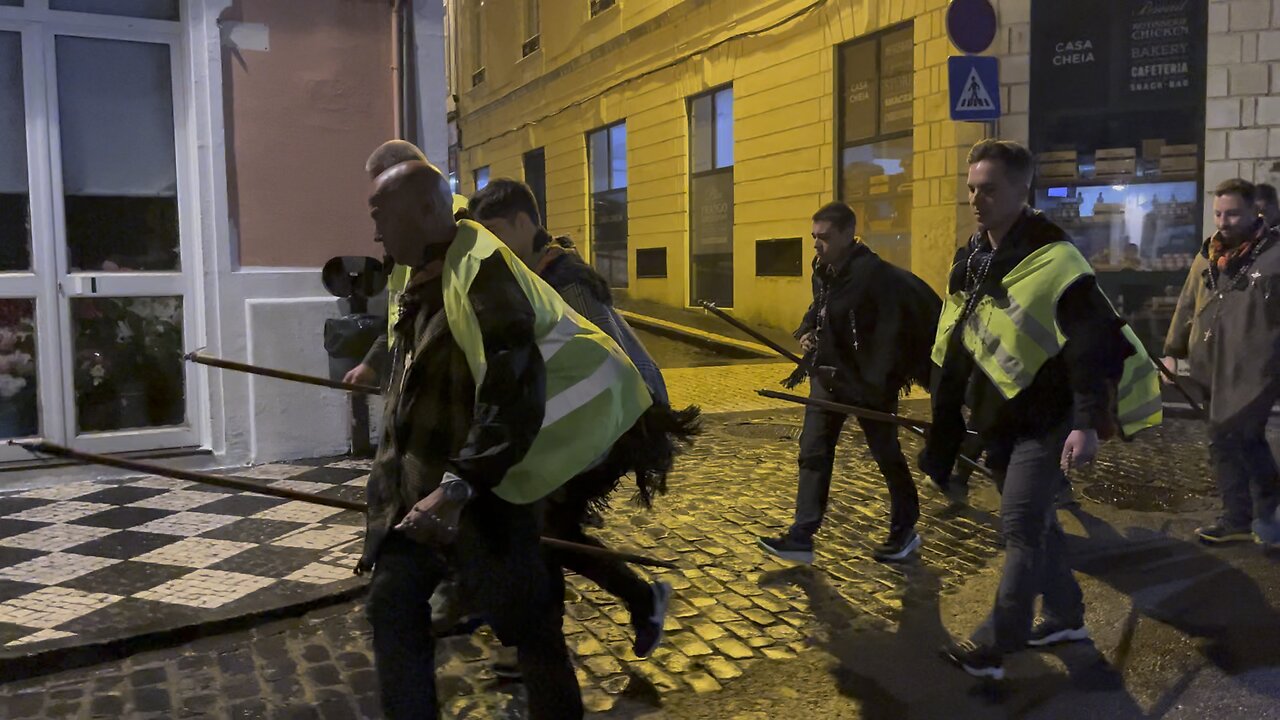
[1117,122]
[875,99]
[152,9]
[607,167]
[119,179]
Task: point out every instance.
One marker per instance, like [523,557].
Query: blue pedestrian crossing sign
[975,87]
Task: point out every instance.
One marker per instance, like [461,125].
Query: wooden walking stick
[202,359]
[917,426]
[1173,380]
[46,448]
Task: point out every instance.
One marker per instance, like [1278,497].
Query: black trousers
[1244,466]
[564,518]
[399,609]
[817,459]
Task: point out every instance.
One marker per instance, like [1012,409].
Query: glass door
[118,227]
[29,374]
[95,293]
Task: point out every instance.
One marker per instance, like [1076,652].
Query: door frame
[50,282]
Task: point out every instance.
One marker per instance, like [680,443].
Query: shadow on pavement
[1185,586]
[898,673]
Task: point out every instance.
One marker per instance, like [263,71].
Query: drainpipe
[397,70]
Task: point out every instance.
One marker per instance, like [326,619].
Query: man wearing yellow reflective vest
[1034,349]
[499,394]
[376,362]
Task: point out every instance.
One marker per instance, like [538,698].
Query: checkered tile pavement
[94,560]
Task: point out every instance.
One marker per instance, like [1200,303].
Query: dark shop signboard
[1117,54]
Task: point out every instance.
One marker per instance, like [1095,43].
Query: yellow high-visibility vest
[399,279]
[1011,339]
[593,392]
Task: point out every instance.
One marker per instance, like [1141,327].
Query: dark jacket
[587,292]
[1074,387]
[436,420]
[648,450]
[874,324]
[1231,336]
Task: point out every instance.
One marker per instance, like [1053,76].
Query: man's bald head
[392,153]
[412,207]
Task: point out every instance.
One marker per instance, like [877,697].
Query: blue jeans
[1035,558]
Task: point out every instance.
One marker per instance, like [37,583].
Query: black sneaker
[978,661]
[898,547]
[1220,533]
[649,629]
[788,548]
[1046,632]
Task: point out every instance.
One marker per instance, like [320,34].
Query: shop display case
[1136,216]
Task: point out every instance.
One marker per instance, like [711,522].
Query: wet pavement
[750,637]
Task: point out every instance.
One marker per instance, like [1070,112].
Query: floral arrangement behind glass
[126,349]
[17,369]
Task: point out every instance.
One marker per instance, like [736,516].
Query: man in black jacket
[867,336]
[1052,401]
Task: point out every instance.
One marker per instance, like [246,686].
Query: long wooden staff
[46,448]
[917,426]
[202,359]
[1173,380]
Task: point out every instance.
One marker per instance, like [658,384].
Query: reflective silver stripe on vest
[1010,363]
[581,392]
[1137,381]
[559,336]
[1029,324]
[1142,412]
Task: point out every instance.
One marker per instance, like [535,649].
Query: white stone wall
[1242,123]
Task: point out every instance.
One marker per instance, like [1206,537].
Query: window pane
[155,9]
[530,18]
[876,181]
[618,156]
[609,236]
[19,404]
[477,35]
[15,226]
[702,126]
[535,176]
[598,154]
[128,362]
[897,55]
[724,128]
[10,3]
[482,177]
[118,171]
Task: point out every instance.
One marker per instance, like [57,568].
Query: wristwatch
[456,489]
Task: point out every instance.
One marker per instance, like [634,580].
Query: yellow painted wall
[641,60]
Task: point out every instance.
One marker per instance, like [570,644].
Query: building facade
[173,175]
[684,145]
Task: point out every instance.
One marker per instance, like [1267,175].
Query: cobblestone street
[734,611]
